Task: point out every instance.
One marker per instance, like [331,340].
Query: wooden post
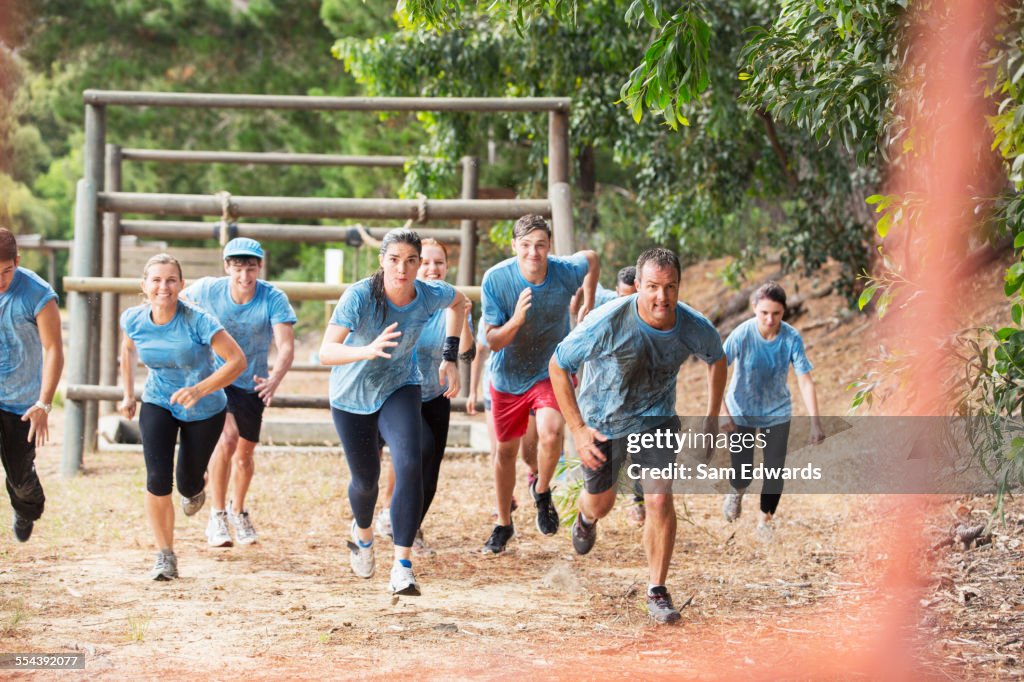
[467,252]
[79,431]
[109,302]
[558,173]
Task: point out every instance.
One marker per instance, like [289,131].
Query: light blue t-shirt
[758,395]
[362,387]
[631,367]
[429,348]
[178,354]
[250,324]
[21,351]
[602,296]
[524,362]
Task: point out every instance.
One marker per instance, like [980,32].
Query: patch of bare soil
[290,606]
[971,617]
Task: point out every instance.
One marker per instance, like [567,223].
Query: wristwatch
[45,407]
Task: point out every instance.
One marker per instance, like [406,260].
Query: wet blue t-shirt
[602,296]
[524,362]
[21,351]
[178,354]
[758,395]
[250,324]
[362,387]
[429,348]
[631,367]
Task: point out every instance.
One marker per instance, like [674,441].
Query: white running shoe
[383,525]
[360,558]
[732,505]
[765,528]
[242,524]
[217,534]
[403,581]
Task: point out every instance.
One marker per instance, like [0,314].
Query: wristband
[43,406]
[469,355]
[451,349]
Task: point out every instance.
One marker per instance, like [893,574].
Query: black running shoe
[22,527]
[659,605]
[583,535]
[547,515]
[499,538]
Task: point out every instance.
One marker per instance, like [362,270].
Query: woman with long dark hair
[436,407]
[375,392]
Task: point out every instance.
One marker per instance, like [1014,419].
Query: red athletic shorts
[511,412]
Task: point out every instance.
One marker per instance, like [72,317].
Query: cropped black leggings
[436,416]
[198,439]
[398,422]
[775,447]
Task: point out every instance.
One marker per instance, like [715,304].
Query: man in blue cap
[254,313]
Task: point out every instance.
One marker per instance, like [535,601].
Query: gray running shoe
[499,539]
[420,546]
[659,605]
[403,581]
[190,505]
[166,566]
[383,524]
[547,515]
[242,524]
[217,534]
[360,558]
[583,536]
[637,512]
[22,527]
[732,505]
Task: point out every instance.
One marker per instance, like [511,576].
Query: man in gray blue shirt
[31,360]
[633,348]
[255,314]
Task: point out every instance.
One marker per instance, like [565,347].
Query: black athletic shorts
[247,409]
[605,476]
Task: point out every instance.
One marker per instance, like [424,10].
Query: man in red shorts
[525,308]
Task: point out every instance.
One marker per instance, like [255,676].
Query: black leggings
[198,439]
[398,422]
[19,456]
[436,415]
[776,443]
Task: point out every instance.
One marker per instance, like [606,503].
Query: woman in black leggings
[437,407]
[177,342]
[375,392]
[763,348]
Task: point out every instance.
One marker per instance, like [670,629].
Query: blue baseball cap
[244,247]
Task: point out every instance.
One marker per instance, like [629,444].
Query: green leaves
[827,68]
[674,69]
[866,296]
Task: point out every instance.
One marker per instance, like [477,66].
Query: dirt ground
[815,603]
